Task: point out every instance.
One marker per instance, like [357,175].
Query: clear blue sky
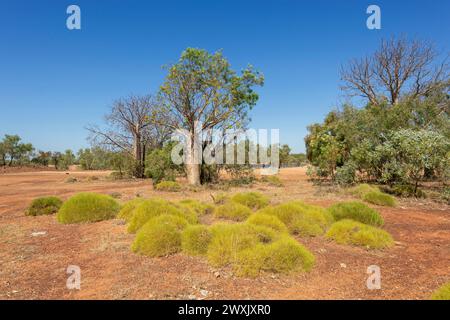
[53,81]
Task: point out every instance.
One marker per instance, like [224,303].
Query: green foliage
[170,186]
[356,211]
[379,198]
[200,208]
[406,191]
[253,200]
[443,293]
[346,174]
[152,208]
[13,152]
[87,207]
[272,180]
[300,218]
[220,198]
[233,210]
[160,236]
[352,232]
[159,165]
[195,240]
[361,189]
[127,210]
[44,206]
[269,221]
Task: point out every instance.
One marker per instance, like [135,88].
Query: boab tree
[202,90]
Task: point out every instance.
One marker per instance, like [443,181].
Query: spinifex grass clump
[443,293]
[127,210]
[269,221]
[233,211]
[253,200]
[88,207]
[151,208]
[356,211]
[379,198]
[196,239]
[352,232]
[272,181]
[160,236]
[170,186]
[361,189]
[200,208]
[44,206]
[300,218]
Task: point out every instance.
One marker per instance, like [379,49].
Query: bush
[170,186]
[195,240]
[356,211]
[272,181]
[127,210]
[152,208]
[300,218]
[282,256]
[88,207]
[269,221]
[443,293]
[379,198]
[346,174]
[352,232]
[44,206]
[200,208]
[253,200]
[160,236]
[233,211]
[406,191]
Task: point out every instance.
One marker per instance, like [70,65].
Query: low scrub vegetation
[196,239]
[44,206]
[200,208]
[88,207]
[272,181]
[233,211]
[253,200]
[269,221]
[356,211]
[170,186]
[127,210]
[356,233]
[379,198]
[443,293]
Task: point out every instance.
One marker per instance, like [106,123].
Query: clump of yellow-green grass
[233,211]
[361,189]
[253,200]
[44,206]
[151,208]
[127,210]
[357,211]
[443,293]
[195,239]
[199,207]
[372,194]
[272,180]
[300,218]
[160,236]
[356,233]
[88,207]
[269,221]
[170,186]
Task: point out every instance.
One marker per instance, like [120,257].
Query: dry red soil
[34,267]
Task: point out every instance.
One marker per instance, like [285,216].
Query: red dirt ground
[34,267]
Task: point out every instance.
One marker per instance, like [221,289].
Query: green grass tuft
[170,186]
[195,240]
[357,211]
[253,200]
[352,232]
[88,207]
[160,236]
[233,211]
[127,210]
[361,189]
[379,198]
[443,293]
[44,206]
[300,218]
[269,221]
[200,208]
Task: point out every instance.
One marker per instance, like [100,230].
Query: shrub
[233,211]
[195,240]
[443,293]
[346,174]
[300,218]
[44,206]
[270,221]
[88,207]
[352,232]
[406,191]
[356,211]
[272,180]
[379,198]
[151,208]
[127,210]
[170,186]
[253,200]
[282,256]
[160,236]
[200,208]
